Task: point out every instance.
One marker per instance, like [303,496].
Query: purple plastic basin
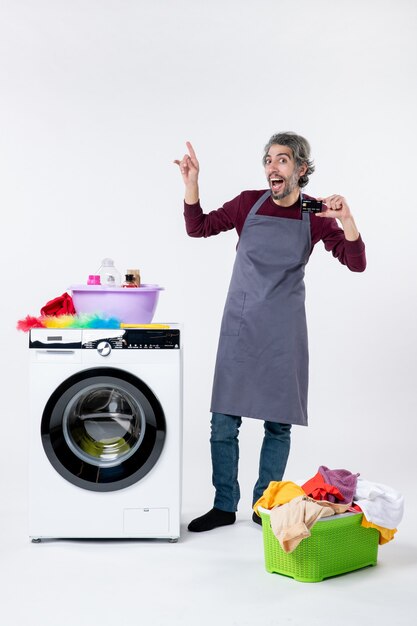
[129,305]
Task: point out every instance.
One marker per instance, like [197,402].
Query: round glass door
[103,429]
[104,425]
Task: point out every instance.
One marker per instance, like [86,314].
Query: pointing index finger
[191,150]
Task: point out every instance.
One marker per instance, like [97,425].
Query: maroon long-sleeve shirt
[233,215]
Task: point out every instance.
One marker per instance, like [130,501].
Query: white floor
[208,578]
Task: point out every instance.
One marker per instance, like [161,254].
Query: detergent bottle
[109,275]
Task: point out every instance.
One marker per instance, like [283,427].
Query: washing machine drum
[103,429]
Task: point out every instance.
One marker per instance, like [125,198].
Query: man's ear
[303,169]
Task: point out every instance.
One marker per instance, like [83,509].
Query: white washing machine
[105,433]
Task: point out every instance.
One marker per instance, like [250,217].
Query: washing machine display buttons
[140,339]
[133,339]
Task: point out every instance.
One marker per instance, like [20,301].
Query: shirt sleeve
[349,253]
[199,224]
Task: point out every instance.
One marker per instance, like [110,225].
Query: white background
[97,99]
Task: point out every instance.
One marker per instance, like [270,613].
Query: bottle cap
[107,262]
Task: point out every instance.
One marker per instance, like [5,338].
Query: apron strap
[305,215]
[259,202]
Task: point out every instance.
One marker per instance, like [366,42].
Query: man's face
[281,171]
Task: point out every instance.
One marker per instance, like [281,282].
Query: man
[262,360]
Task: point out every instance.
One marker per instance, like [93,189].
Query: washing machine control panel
[132,339]
[104,340]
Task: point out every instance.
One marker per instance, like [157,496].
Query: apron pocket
[233,312]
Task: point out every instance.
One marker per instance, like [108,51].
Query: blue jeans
[225,458]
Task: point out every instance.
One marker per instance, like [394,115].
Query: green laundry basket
[337,545]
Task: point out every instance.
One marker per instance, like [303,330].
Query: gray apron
[262,359]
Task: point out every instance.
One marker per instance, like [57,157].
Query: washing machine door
[103,429]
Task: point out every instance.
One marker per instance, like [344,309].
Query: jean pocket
[233,313]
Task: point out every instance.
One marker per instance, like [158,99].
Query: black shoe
[212,519]
[256,518]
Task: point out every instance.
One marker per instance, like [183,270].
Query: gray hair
[300,149]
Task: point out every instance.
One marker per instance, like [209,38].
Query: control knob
[104,348]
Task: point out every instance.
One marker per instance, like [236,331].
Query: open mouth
[276,183]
